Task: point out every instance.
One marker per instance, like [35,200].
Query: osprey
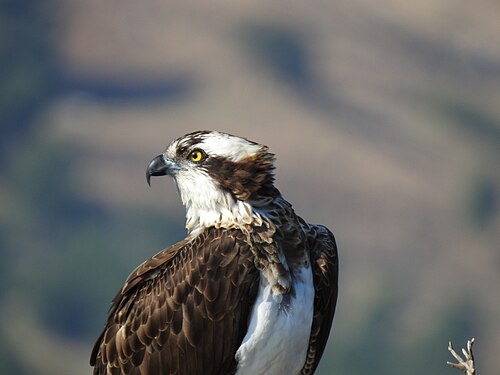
[252,289]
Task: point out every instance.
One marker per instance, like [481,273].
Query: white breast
[278,333]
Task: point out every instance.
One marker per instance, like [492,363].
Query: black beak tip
[157,167]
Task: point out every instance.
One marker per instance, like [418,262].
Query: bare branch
[467,363]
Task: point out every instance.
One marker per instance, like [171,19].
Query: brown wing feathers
[179,311]
[324,263]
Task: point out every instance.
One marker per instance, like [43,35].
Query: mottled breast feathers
[184,311]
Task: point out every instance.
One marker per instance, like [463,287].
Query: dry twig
[467,363]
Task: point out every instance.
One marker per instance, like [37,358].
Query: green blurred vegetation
[27,67]
[10,363]
[65,240]
[54,245]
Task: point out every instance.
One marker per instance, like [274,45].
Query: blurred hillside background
[384,116]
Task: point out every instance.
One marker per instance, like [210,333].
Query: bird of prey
[251,290]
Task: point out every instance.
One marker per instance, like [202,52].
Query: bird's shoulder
[207,247]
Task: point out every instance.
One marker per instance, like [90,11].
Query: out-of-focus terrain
[384,116]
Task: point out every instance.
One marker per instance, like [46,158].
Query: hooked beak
[160,166]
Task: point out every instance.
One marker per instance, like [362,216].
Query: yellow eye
[196,156]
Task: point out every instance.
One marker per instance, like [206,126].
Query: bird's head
[217,175]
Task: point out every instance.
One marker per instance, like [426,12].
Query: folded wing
[184,311]
[324,261]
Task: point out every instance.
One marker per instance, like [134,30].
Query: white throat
[207,205]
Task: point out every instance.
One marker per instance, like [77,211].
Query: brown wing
[184,311]
[325,265]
